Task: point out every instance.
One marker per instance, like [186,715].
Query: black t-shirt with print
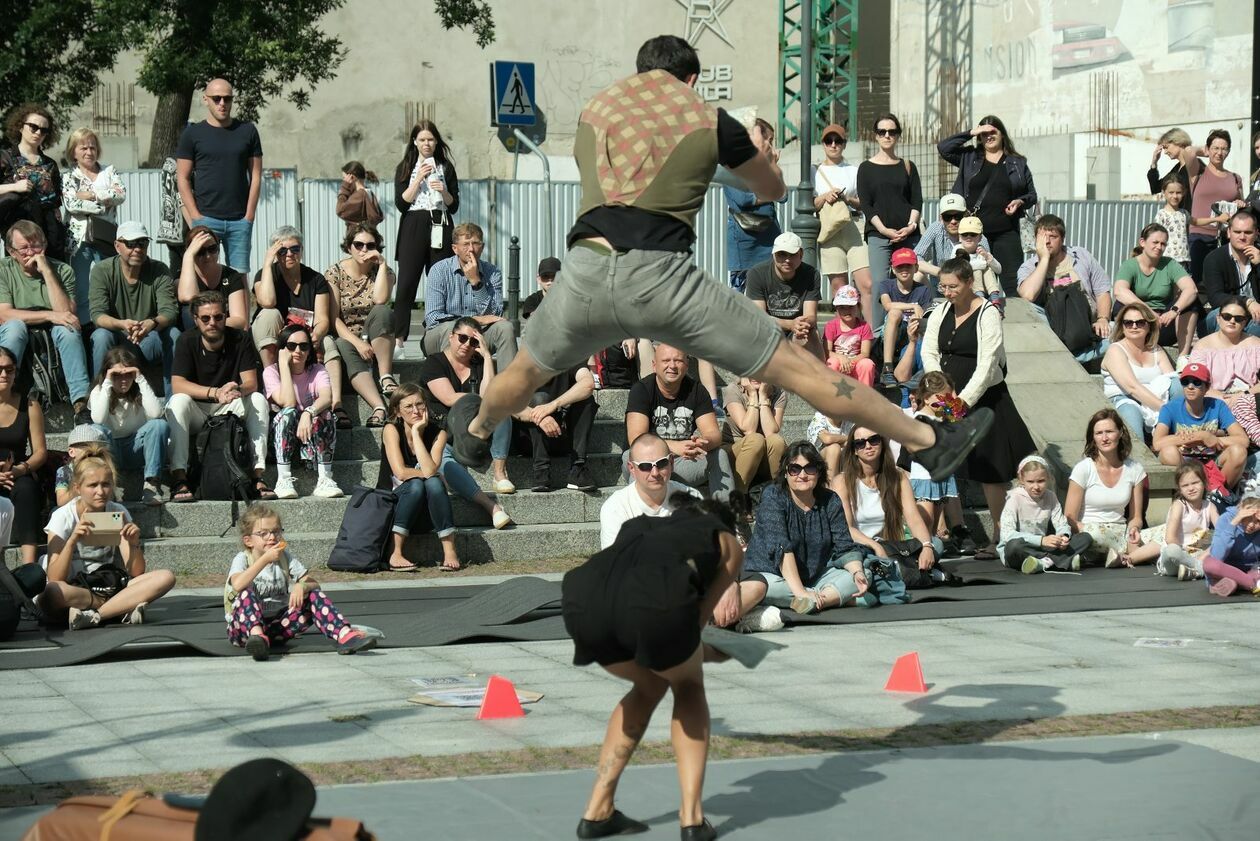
[670,420]
[312,283]
[213,368]
[438,367]
[782,299]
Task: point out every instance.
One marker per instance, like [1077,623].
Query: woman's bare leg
[689,733]
[626,726]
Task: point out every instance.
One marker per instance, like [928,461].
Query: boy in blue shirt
[1200,427]
[902,300]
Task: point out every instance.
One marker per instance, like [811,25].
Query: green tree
[463,13]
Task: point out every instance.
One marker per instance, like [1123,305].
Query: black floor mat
[528,609]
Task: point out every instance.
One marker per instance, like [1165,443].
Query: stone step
[187,555]
[310,515]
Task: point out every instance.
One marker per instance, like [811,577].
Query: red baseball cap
[1198,371]
[904,257]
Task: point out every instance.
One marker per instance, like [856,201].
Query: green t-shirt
[153,295]
[31,293]
[1158,289]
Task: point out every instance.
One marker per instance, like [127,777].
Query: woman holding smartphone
[426,191]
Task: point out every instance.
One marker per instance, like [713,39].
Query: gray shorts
[375,326]
[601,298]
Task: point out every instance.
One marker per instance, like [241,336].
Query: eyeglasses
[798,469]
[1133,323]
[289,249]
[951,217]
[1193,382]
[8,370]
[266,533]
[661,464]
[465,339]
[37,128]
[133,244]
[1236,318]
[219,100]
[211,319]
[29,248]
[887,132]
[836,141]
[359,245]
[296,346]
[970,236]
[872,441]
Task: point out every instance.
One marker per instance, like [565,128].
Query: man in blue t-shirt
[1200,427]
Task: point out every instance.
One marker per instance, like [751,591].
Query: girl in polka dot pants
[270,598]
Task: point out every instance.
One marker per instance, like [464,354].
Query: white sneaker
[1166,564]
[760,619]
[136,617]
[504,486]
[1113,560]
[80,619]
[399,351]
[327,488]
[1032,566]
[284,488]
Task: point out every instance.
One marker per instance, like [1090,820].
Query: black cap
[259,800]
[549,265]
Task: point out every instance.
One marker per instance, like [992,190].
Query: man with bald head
[678,410]
[651,467]
[219,170]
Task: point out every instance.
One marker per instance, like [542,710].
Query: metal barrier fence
[518,208]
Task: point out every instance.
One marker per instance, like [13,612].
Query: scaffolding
[835,29]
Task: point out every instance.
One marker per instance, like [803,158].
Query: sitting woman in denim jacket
[801,554]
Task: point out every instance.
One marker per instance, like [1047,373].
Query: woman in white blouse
[842,251]
[88,191]
[426,193]
[1103,485]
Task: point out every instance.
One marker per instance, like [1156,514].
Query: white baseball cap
[788,242]
[952,202]
[132,230]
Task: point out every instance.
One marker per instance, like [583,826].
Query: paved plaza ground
[158,713]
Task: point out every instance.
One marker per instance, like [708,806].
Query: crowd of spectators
[844,517]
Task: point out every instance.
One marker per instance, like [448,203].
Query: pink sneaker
[1225,587]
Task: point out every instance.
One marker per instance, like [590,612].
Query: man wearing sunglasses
[219,170]
[651,467]
[941,240]
[132,300]
[1195,426]
[38,293]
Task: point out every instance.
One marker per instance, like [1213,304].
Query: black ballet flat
[700,832]
[614,824]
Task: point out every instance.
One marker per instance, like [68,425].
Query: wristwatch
[1175,308]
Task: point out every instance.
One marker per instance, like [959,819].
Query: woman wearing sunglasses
[892,200]
[802,555]
[963,338]
[202,271]
[997,185]
[30,181]
[302,423]
[879,503]
[1233,357]
[841,250]
[1138,379]
[359,288]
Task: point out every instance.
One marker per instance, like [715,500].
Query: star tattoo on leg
[844,388]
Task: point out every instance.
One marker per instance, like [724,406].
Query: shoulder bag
[833,217]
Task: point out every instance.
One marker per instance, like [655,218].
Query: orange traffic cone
[907,675]
[500,700]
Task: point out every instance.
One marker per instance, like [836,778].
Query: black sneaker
[962,541]
[468,449]
[580,478]
[888,379]
[542,480]
[953,442]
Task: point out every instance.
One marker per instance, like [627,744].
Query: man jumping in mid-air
[647,148]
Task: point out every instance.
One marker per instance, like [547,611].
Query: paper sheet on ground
[747,649]
[459,691]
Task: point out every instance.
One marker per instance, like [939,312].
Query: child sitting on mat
[92,579]
[1036,536]
[270,597]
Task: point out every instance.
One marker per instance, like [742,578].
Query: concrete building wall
[1062,70]
[398,53]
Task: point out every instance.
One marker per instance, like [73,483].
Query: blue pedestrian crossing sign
[512,92]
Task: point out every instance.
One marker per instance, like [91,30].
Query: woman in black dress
[22,453]
[963,338]
[637,609]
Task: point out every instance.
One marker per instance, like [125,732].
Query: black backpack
[47,381]
[225,461]
[1071,317]
[363,541]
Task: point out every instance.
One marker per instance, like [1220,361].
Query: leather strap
[126,803]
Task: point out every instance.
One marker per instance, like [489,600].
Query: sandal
[342,418]
[408,568]
[181,491]
[389,384]
[263,491]
[377,419]
[444,568]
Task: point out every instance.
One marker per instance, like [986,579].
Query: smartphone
[106,528]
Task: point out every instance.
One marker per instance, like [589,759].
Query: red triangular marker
[907,675]
[500,700]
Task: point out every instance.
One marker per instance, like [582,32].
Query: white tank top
[1144,374]
[868,510]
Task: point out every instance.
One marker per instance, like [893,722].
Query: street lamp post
[805,224]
